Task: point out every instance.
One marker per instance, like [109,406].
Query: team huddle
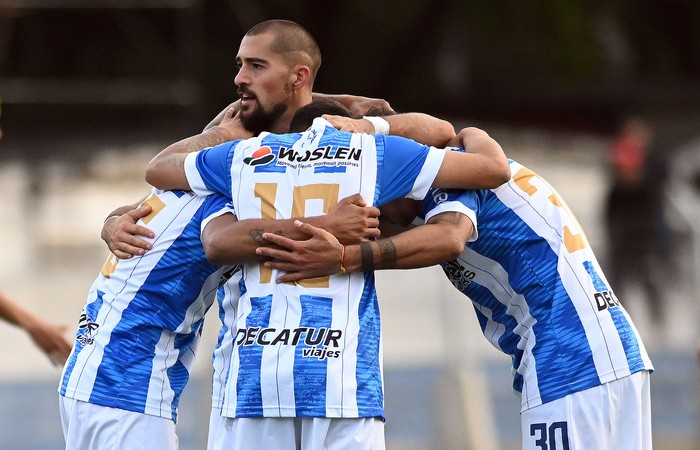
[280,211]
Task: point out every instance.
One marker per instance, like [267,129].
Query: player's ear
[301,76]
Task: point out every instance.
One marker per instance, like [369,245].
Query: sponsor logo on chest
[330,155]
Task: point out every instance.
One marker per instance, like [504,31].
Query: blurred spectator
[49,337]
[634,217]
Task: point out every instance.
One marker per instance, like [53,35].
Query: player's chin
[250,111]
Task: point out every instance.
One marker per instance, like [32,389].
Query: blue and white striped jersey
[311,349]
[538,291]
[228,296]
[138,333]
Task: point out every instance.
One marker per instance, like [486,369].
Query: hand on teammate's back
[351,221]
[122,233]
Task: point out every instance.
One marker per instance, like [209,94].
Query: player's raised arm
[357,105]
[49,337]
[420,127]
[167,169]
[482,165]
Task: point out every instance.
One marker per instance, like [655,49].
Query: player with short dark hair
[304,117]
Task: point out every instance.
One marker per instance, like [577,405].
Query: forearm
[212,136]
[441,240]
[421,246]
[235,242]
[166,170]
[482,166]
[357,104]
[48,337]
[422,128]
[14,314]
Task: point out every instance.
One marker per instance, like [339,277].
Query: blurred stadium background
[91,89]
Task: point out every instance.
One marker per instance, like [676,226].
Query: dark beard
[261,120]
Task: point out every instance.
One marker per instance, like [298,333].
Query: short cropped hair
[305,115]
[293,41]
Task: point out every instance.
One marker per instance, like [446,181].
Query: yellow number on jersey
[267,193]
[572,242]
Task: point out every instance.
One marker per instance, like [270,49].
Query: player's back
[138,332]
[540,294]
[313,348]
[299,333]
[301,175]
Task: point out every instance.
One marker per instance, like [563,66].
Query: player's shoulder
[400,142]
[213,203]
[178,202]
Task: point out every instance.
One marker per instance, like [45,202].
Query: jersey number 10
[267,193]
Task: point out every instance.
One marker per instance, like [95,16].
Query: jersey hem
[330,413]
[121,404]
[608,377]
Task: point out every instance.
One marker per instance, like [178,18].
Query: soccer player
[278,61]
[137,335]
[540,296]
[269,59]
[312,351]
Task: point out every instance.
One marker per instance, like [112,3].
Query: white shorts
[216,422]
[88,427]
[295,433]
[615,415]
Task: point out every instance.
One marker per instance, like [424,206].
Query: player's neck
[281,125]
